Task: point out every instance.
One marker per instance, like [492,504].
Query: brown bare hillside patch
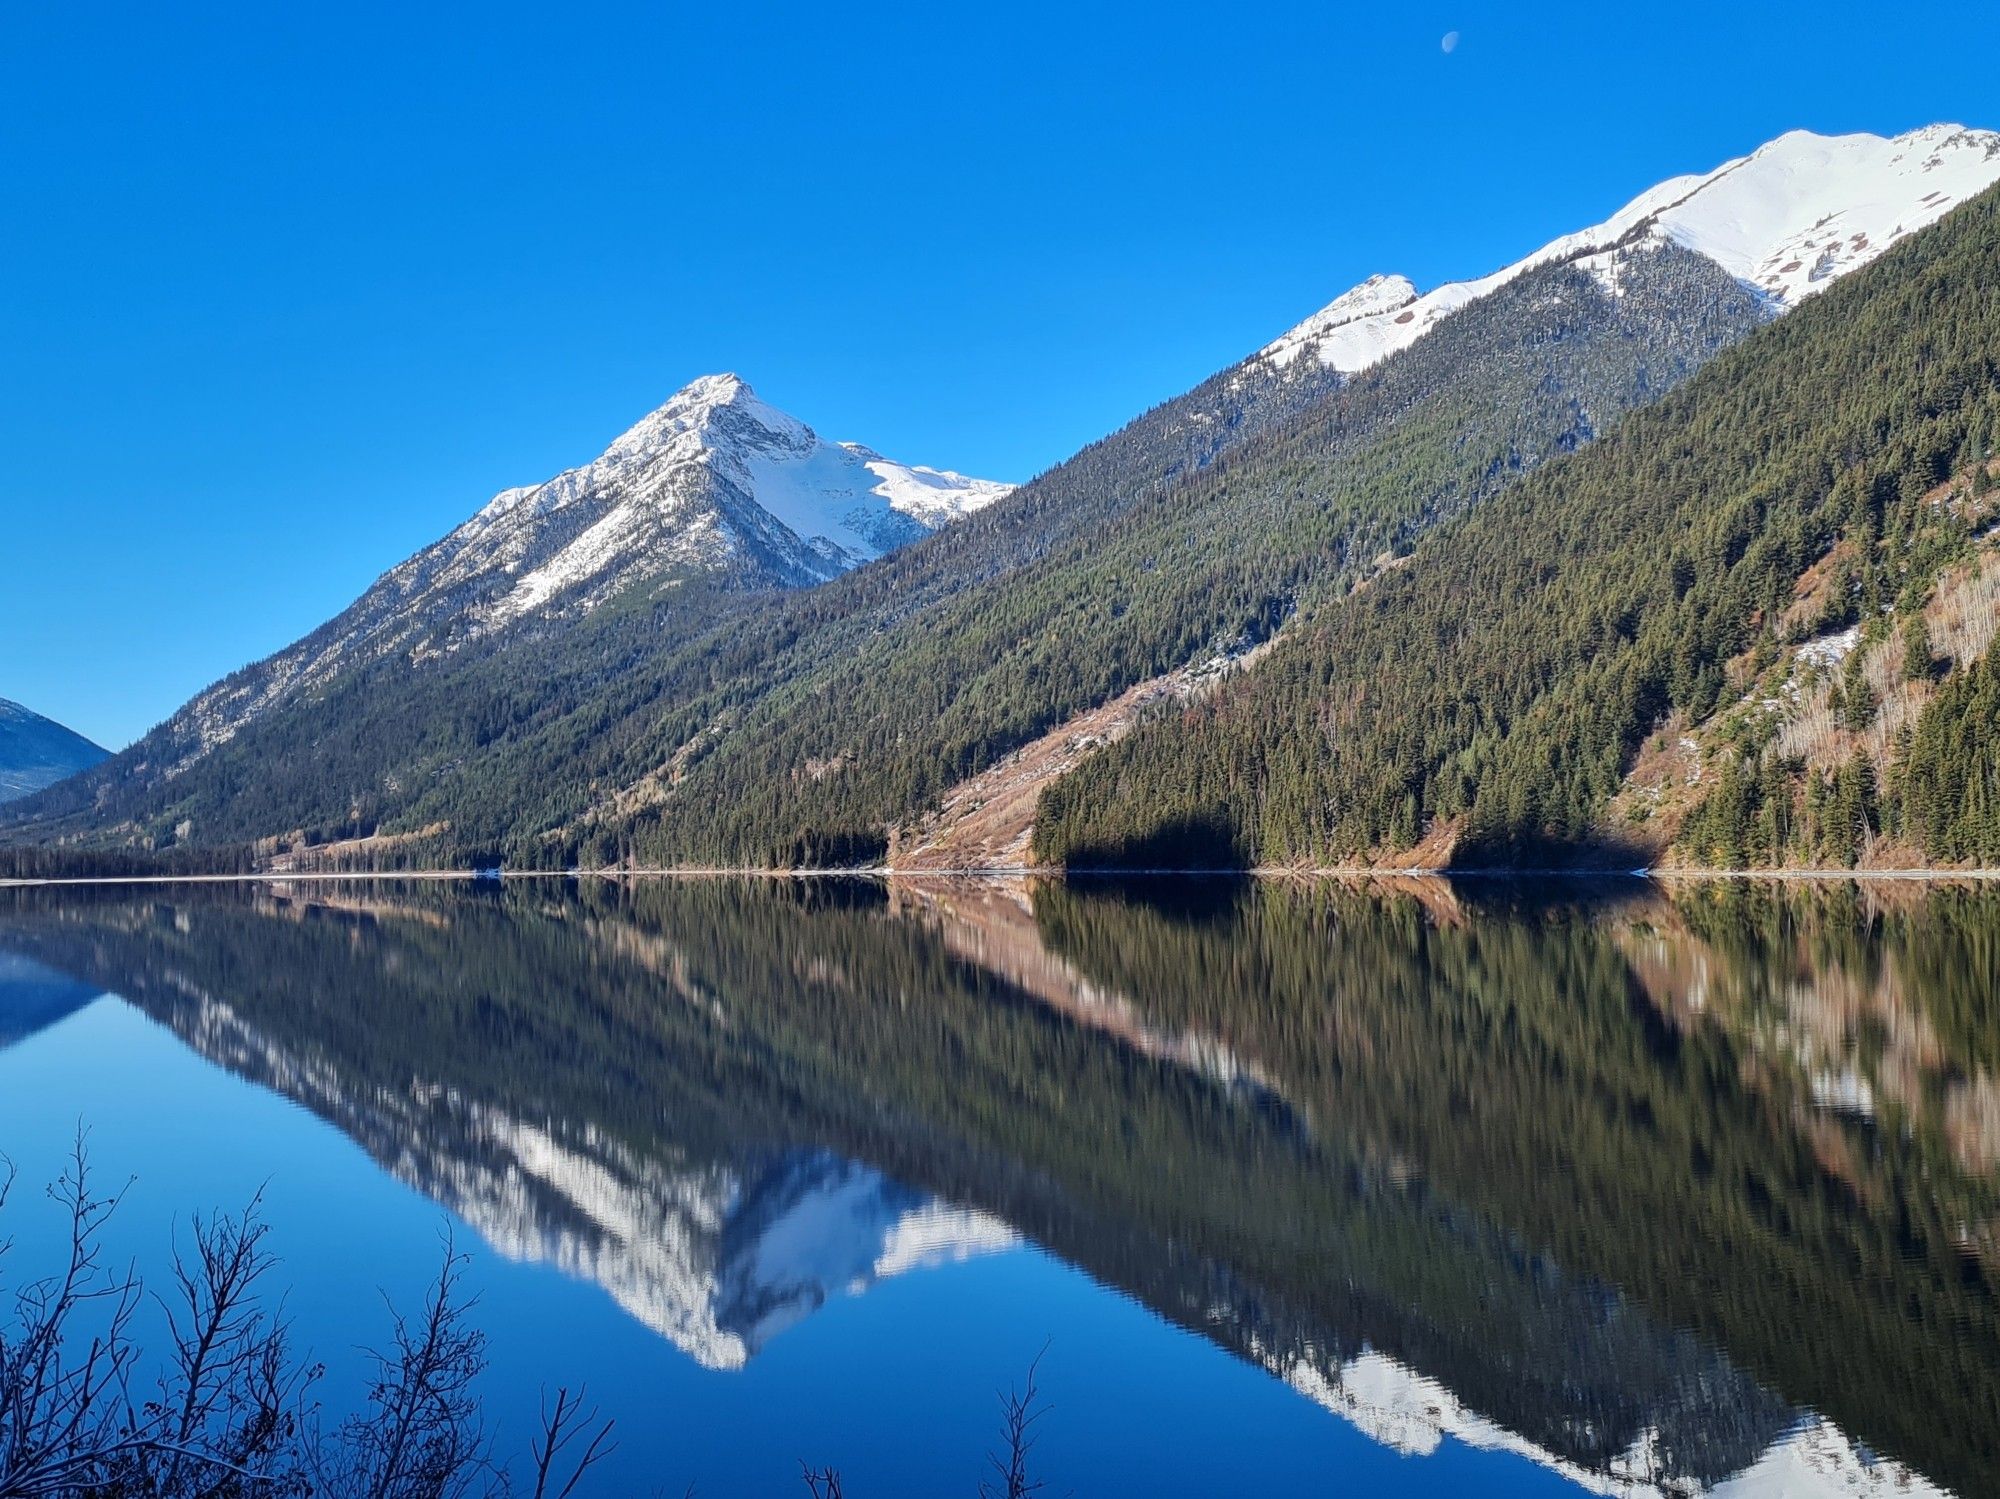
[1812,593]
[295,900]
[1432,851]
[985,822]
[291,854]
[1665,781]
[1834,1037]
[653,788]
[1794,697]
[992,923]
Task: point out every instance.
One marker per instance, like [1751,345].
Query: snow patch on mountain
[835,505]
[1788,219]
[1357,328]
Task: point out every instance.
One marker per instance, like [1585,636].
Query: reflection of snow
[1821,1459]
[1413,1414]
[715,1259]
[718,1258]
[1844,1092]
[937,1235]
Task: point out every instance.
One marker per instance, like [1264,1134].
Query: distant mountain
[715,485]
[37,751]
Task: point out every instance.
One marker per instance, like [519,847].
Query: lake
[1291,1187]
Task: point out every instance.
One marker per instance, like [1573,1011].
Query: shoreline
[1015,872]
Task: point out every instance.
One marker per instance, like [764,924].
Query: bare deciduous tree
[224,1417]
[228,1415]
[422,1435]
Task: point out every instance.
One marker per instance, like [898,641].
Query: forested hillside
[1490,697]
[796,728]
[351,753]
[832,742]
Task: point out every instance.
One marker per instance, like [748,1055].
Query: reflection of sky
[896,1387]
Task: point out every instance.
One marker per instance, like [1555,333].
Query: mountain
[1789,219]
[714,485]
[37,751]
[699,723]
[844,730]
[1754,625]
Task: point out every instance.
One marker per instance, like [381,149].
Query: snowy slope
[1788,219]
[716,484]
[702,479]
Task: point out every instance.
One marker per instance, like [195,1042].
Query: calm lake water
[1296,1189]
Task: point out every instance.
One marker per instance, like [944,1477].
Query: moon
[1450,42]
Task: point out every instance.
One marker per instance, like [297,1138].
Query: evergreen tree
[1919,655]
[1857,697]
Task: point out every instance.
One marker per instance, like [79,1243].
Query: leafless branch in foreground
[229,1414]
[1020,1410]
[565,1423]
[422,1435]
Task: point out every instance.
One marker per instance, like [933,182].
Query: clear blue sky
[288,295]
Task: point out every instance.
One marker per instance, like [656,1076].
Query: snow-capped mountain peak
[1788,219]
[714,483]
[712,409]
[1806,209]
[716,478]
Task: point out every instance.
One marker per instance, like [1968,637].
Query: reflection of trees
[1467,1120]
[1602,1080]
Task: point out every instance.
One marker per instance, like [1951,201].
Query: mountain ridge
[1490,698]
[1759,216]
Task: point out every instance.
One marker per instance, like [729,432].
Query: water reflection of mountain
[717,1256]
[1395,1149]
[33,998]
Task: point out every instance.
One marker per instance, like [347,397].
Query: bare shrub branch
[564,1424]
[1020,1410]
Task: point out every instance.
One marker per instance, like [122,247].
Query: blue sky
[289,294]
